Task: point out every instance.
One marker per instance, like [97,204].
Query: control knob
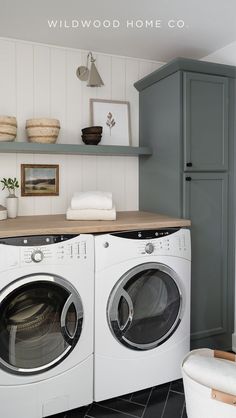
[37,256]
[149,248]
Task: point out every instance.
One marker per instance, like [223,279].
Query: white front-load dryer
[142,309]
[46,324]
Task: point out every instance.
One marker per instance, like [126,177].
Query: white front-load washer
[142,309]
[46,324]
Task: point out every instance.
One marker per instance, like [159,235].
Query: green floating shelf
[73,149]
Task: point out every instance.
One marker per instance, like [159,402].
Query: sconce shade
[94,79]
[92,74]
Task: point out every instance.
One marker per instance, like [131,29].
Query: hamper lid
[2,208]
[202,367]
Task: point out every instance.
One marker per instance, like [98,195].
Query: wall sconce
[91,75]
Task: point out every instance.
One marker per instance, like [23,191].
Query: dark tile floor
[165,401]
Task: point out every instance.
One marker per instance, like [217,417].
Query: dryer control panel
[146,233]
[164,244]
[160,241]
[145,245]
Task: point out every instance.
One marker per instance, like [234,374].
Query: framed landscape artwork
[114,117]
[39,180]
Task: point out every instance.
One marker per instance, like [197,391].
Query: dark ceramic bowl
[92,130]
[91,141]
[91,136]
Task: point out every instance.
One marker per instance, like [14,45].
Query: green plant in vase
[11,184]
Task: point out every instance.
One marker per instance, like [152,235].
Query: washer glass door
[41,320]
[144,308]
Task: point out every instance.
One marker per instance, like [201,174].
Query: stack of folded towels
[91,206]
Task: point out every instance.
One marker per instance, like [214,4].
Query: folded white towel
[92,200]
[91,214]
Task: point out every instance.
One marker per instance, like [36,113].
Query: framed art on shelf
[39,180]
[114,117]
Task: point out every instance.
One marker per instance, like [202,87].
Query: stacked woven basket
[41,130]
[44,131]
[8,128]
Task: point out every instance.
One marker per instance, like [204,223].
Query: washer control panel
[68,252]
[45,250]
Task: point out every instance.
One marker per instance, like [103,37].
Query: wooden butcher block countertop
[57,224]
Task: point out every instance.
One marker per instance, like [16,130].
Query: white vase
[12,206]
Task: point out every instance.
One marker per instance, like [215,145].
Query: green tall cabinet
[187,118]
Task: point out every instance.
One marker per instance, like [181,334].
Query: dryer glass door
[41,320]
[144,308]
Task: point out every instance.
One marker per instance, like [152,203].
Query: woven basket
[43,131]
[205,384]
[8,128]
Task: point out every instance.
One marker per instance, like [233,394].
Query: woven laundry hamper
[210,384]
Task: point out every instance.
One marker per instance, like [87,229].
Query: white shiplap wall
[39,81]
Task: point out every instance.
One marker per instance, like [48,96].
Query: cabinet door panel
[205,122]
[205,203]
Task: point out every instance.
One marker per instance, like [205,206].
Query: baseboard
[234,342]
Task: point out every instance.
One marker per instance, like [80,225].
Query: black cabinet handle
[188,178]
[189,164]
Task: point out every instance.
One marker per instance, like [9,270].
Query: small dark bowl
[92,130]
[91,136]
[90,141]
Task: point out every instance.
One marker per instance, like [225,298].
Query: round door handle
[189,164]
[126,296]
[188,178]
[71,337]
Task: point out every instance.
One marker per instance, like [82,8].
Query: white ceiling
[209,25]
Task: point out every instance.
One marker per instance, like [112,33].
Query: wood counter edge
[126,221]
